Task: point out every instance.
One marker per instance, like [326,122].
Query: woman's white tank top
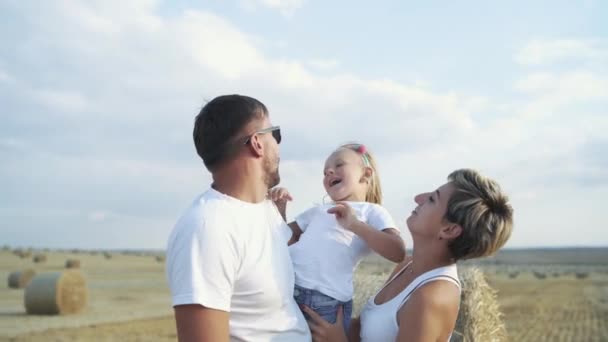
[379,322]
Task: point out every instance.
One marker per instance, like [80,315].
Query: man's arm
[196,323]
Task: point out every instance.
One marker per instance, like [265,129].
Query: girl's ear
[368,172]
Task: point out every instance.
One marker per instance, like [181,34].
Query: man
[228,264]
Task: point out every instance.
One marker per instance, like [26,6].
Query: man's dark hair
[219,122]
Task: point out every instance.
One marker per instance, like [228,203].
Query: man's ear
[256,146]
[450,231]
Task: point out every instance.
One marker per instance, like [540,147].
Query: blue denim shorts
[324,305]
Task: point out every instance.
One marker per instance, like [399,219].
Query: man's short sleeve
[303,220]
[202,264]
[380,218]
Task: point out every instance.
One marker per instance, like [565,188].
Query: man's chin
[276,181]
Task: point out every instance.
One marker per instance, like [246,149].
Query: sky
[98,98]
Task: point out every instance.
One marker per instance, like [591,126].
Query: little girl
[333,238]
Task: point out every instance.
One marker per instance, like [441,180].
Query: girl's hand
[280,197]
[322,330]
[344,214]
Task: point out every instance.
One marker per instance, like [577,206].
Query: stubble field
[545,295]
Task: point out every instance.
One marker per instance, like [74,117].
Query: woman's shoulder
[437,296]
[436,304]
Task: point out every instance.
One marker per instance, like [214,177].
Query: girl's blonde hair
[374,191]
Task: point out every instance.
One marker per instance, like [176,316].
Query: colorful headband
[363,150]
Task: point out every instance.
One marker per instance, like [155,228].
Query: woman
[468,217]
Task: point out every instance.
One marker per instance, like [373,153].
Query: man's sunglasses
[275,130]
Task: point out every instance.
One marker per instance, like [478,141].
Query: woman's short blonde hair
[483,211]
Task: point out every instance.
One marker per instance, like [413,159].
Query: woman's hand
[344,214]
[280,197]
[323,331]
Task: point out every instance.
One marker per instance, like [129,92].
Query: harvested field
[129,299]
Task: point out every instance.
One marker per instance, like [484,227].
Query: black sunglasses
[275,130]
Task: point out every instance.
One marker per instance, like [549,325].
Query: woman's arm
[430,313]
[323,331]
[354,331]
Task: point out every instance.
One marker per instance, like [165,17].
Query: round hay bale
[38,258]
[72,263]
[107,255]
[160,258]
[479,317]
[22,253]
[55,293]
[20,279]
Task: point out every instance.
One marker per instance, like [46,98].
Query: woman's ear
[450,231]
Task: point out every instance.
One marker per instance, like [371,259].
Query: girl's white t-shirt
[327,254]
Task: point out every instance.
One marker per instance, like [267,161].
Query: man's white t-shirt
[231,255]
[327,254]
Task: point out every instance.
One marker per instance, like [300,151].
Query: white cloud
[99,216]
[5,77]
[324,64]
[286,7]
[570,85]
[216,45]
[539,52]
[65,101]
[139,79]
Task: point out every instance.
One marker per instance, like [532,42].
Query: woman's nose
[420,198]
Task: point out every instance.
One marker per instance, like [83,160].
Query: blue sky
[98,100]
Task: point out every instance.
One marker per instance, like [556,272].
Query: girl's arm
[296,231]
[387,243]
[280,197]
